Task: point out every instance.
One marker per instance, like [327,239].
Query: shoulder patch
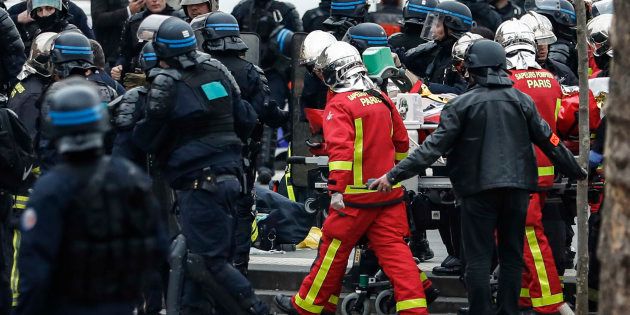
[214,90]
[18,89]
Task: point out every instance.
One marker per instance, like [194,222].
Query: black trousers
[503,211]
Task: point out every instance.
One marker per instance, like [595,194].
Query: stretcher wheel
[349,307]
[385,303]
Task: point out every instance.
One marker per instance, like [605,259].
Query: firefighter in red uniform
[541,286]
[365,137]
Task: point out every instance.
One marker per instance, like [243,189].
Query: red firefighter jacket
[364,138]
[546,93]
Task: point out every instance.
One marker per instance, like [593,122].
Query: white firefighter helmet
[342,68]
[598,34]
[519,42]
[313,45]
[462,44]
[542,27]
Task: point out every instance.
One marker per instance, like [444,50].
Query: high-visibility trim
[308,302]
[287,179]
[524,292]
[539,261]
[423,276]
[548,300]
[357,170]
[334,300]
[401,156]
[20,202]
[546,171]
[409,304]
[340,166]
[15,274]
[558,107]
[354,191]
[593,295]
[254,235]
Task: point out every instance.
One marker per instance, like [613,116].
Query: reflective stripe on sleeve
[340,166]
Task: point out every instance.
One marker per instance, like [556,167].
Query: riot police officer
[475,131]
[414,14]
[433,61]
[561,13]
[11,53]
[91,229]
[365,35]
[192,108]
[543,30]
[226,46]
[345,14]
[313,19]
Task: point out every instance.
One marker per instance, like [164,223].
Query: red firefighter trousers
[385,228]
[541,285]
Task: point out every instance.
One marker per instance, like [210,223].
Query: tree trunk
[614,248]
[582,191]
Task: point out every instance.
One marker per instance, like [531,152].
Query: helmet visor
[150,26]
[431,26]
[199,23]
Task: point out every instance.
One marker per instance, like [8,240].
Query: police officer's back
[91,229]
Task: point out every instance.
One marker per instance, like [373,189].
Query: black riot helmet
[148,57]
[77,118]
[220,32]
[416,11]
[485,53]
[171,36]
[455,16]
[71,51]
[366,35]
[560,12]
[355,9]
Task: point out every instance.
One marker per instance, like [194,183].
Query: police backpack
[16,152]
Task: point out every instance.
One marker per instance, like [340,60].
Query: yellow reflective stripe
[307,303]
[287,179]
[558,107]
[524,292]
[539,262]
[545,171]
[354,191]
[340,166]
[401,156]
[20,202]
[409,304]
[254,236]
[15,274]
[37,171]
[21,198]
[548,300]
[423,276]
[334,300]
[358,152]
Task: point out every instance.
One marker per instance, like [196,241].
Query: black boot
[283,302]
[450,266]
[421,250]
[431,294]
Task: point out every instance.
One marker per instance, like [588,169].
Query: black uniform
[313,19]
[510,11]
[79,253]
[25,100]
[404,41]
[565,52]
[486,135]
[129,47]
[12,55]
[484,14]
[108,18]
[433,63]
[562,72]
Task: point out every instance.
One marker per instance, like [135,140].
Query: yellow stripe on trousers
[15,273]
[546,297]
[308,303]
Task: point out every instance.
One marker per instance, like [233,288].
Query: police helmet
[602,7]
[77,119]
[515,35]
[416,11]
[171,36]
[148,58]
[356,9]
[598,34]
[313,45]
[561,12]
[220,31]
[455,16]
[71,50]
[366,35]
[485,53]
